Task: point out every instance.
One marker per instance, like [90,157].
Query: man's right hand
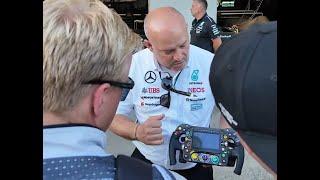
[150,131]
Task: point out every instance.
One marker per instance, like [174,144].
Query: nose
[178,55]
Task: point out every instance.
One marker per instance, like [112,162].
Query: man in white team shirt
[168,56]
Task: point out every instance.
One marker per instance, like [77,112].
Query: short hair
[82,40]
[204,3]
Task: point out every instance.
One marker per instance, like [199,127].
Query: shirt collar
[156,64]
[159,69]
[201,18]
[73,141]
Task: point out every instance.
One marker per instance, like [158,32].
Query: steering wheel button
[204,157]
[194,156]
[214,159]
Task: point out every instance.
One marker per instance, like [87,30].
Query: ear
[147,44]
[99,98]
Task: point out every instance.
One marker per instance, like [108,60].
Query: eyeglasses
[166,83]
[125,86]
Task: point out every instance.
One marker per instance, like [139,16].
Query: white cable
[255,12]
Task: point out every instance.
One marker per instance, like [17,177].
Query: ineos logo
[150,77]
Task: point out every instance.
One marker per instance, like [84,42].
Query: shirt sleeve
[126,107]
[213,30]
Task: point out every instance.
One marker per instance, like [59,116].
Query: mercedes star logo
[150,77]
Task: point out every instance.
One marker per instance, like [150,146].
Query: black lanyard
[171,77]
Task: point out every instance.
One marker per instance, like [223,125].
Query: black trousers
[198,172]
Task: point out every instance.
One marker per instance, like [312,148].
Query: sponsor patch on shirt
[150,90]
[195,99]
[152,104]
[199,28]
[192,83]
[215,30]
[150,77]
[196,89]
[196,106]
[149,101]
[195,75]
[150,97]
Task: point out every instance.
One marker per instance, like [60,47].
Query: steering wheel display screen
[209,141]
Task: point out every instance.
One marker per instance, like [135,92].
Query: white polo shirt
[144,99]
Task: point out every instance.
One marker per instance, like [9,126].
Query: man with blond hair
[87,51]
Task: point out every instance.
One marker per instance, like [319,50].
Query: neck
[171,72]
[51,118]
[164,68]
[200,15]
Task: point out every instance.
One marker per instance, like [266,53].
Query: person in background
[204,31]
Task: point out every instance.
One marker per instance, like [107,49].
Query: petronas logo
[194,75]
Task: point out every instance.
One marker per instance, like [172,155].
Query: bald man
[169,58]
